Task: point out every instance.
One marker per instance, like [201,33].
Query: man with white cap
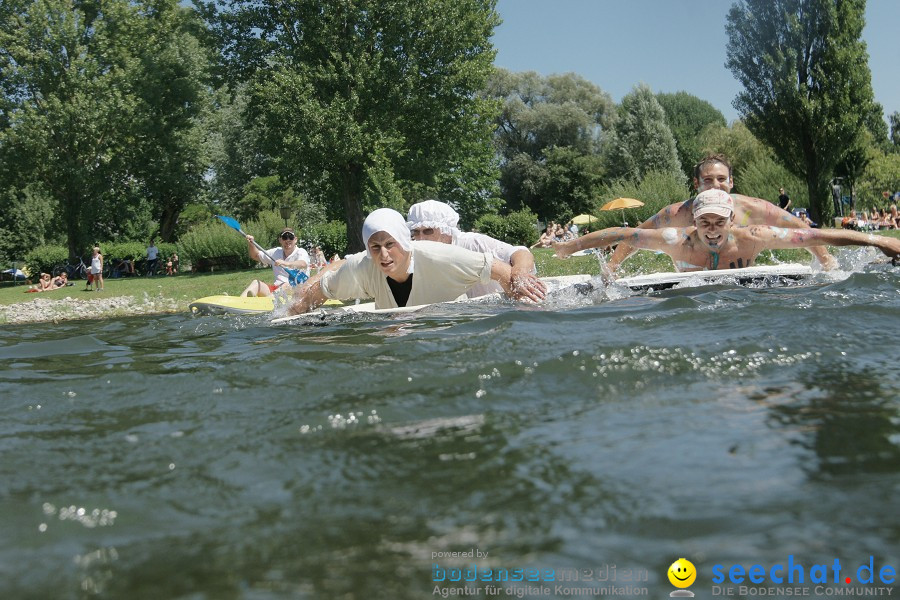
[437,222]
[714,173]
[396,271]
[714,243]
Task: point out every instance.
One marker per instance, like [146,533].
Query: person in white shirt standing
[436,221]
[289,255]
[152,257]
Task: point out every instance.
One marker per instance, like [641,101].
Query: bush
[213,241]
[331,237]
[517,228]
[44,258]
[656,190]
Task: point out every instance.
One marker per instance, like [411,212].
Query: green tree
[807,86]
[687,116]
[882,174]
[756,171]
[67,108]
[894,118]
[338,87]
[641,142]
[171,84]
[548,140]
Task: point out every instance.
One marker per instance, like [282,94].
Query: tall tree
[548,138]
[687,116]
[341,86]
[641,141]
[67,105]
[171,82]
[807,86]
[894,118]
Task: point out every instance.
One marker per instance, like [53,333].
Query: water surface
[213,457]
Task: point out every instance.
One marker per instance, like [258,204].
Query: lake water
[215,457]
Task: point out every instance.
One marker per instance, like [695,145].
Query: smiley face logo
[682,573]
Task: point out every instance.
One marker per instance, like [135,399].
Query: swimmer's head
[713,202]
[713,172]
[432,220]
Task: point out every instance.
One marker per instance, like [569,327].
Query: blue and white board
[775,274]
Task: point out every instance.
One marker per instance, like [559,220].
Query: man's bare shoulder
[742,201]
[674,215]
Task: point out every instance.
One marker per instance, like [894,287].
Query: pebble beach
[69,309]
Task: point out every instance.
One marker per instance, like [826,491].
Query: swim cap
[389,221]
[433,213]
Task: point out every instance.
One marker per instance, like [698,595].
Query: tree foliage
[344,87]
[548,139]
[807,86]
[97,102]
[641,141]
[687,116]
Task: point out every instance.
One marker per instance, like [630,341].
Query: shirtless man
[714,173]
[714,243]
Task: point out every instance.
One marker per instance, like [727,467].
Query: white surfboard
[653,281]
[745,276]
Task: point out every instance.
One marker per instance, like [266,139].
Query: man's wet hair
[711,159]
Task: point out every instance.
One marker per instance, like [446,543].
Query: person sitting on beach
[289,255]
[436,221]
[714,242]
[396,271]
[61,281]
[546,239]
[44,284]
[714,172]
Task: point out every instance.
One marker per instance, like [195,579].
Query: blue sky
[671,45]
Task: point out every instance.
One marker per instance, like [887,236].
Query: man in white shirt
[152,257]
[436,221]
[288,255]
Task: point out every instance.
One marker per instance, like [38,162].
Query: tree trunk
[352,181]
[167,223]
[73,227]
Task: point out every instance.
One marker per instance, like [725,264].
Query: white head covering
[389,221]
[434,214]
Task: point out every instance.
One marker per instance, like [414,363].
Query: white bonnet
[389,221]
[434,214]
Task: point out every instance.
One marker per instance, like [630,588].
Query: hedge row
[46,259]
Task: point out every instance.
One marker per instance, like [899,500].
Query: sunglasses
[287,235]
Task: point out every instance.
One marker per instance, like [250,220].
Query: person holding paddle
[714,243]
[396,271]
[288,256]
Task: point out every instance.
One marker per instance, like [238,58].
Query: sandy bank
[68,308]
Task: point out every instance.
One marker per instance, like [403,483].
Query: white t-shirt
[281,276]
[479,242]
[152,252]
[441,272]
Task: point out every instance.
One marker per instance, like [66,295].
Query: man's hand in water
[527,286]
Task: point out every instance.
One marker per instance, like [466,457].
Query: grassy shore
[177,292]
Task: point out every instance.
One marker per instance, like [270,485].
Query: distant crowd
[872,221]
[554,232]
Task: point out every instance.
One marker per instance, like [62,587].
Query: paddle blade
[230,222]
[296,277]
